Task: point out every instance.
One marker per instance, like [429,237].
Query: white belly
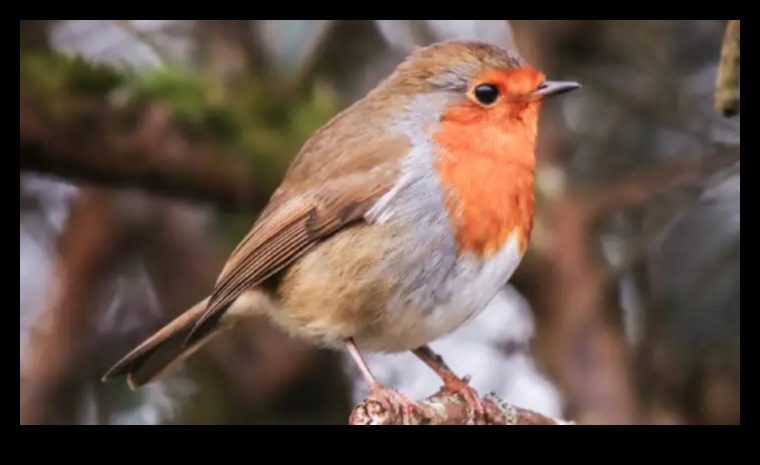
[473,284]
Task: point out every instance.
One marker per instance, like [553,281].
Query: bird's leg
[452,382]
[376,389]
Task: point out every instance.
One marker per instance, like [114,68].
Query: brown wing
[291,229]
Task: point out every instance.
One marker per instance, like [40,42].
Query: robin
[396,223]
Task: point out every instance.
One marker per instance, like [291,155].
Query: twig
[727,88]
[93,145]
[642,187]
[446,409]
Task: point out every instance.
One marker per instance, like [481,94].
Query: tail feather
[163,349]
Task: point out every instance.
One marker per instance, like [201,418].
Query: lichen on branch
[445,408]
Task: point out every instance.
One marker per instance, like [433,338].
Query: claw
[470,396]
[395,400]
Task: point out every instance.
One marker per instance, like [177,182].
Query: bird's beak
[552,88]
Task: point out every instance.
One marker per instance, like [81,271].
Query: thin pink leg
[376,389]
[451,381]
[359,360]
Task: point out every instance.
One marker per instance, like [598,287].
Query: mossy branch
[168,132]
[93,146]
[727,88]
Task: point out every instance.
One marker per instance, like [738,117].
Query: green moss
[185,92]
[258,120]
[62,80]
[53,74]
[269,121]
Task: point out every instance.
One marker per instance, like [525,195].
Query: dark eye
[486,93]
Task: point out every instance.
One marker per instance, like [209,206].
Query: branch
[570,291]
[727,88]
[446,409]
[640,188]
[93,144]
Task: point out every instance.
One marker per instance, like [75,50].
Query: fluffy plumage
[396,223]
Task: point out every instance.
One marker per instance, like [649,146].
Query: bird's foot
[392,400]
[461,386]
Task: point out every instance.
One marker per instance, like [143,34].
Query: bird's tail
[163,349]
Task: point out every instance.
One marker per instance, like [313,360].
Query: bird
[396,222]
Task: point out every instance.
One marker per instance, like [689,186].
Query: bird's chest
[487,202]
[444,270]
[437,291]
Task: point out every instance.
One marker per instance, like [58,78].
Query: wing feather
[290,230]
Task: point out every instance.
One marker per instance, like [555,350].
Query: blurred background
[147,147]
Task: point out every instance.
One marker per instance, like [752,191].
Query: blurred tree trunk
[59,359]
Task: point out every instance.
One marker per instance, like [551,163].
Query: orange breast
[486,161]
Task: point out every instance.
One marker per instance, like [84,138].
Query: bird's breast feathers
[464,240]
[484,201]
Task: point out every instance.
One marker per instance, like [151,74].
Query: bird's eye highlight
[486,93]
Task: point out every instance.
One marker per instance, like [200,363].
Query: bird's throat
[487,175]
